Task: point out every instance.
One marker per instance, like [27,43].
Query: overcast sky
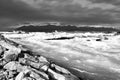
[66,11]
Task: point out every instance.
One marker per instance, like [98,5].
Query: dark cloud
[114,2]
[66,11]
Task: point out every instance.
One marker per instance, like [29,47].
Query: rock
[20,76]
[27,71]
[42,74]
[17,50]
[28,78]
[105,38]
[42,59]
[60,69]
[36,76]
[12,79]
[11,74]
[9,56]
[35,65]
[13,66]
[1,50]
[31,63]
[2,62]
[58,76]
[44,68]
[24,79]
[29,57]
[23,61]
[98,39]
[55,75]
[2,75]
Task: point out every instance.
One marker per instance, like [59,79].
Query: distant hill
[66,28]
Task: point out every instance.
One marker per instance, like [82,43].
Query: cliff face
[18,63]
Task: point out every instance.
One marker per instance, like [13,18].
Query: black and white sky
[66,11]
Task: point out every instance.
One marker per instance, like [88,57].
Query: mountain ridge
[67,28]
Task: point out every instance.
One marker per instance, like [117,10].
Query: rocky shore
[18,63]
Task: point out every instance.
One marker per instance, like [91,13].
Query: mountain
[66,28]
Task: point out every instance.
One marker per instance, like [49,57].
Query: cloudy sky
[66,11]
